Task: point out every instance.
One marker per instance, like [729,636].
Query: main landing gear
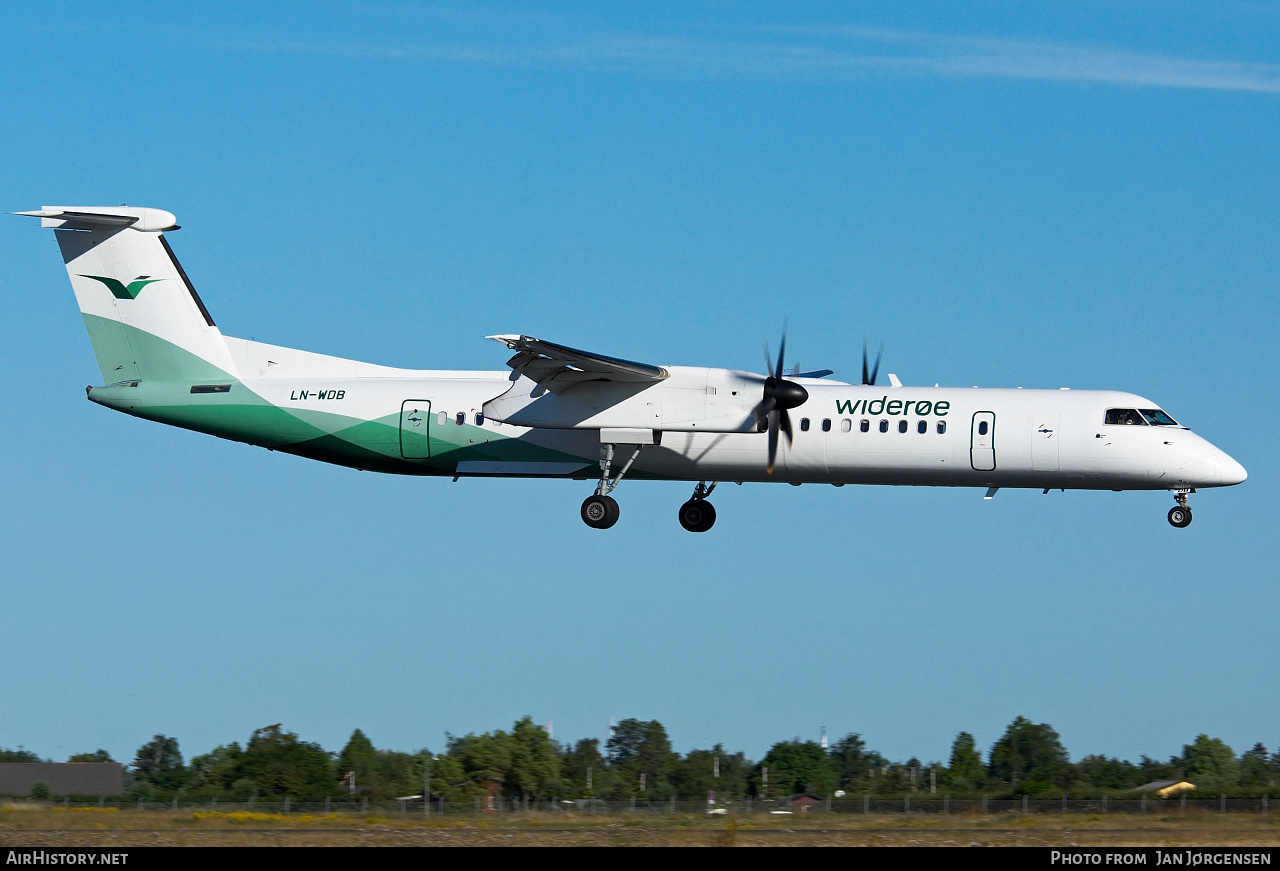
[1180,514]
[698,515]
[600,511]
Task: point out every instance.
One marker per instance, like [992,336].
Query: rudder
[145,320]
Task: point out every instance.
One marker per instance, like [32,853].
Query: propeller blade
[761,411]
[784,422]
[782,349]
[768,361]
[773,440]
[870,377]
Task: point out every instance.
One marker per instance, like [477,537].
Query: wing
[557,367]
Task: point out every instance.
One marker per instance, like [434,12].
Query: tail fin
[145,320]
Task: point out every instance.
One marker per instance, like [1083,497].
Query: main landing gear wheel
[600,512]
[1180,516]
[697,515]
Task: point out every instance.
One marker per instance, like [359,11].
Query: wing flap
[556,367]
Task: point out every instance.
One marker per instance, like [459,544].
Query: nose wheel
[1180,514]
[698,515]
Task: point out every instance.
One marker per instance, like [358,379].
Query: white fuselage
[1032,438]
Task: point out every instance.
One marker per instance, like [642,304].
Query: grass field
[36,826]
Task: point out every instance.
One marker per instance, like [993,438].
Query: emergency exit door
[982,444]
[1044,441]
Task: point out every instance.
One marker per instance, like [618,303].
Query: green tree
[1210,764]
[382,774]
[96,756]
[965,771]
[639,747]
[1101,772]
[855,765]
[894,779]
[217,771]
[401,773]
[279,764]
[694,776]
[482,763]
[449,781]
[575,764]
[534,761]
[795,767]
[358,757]
[1153,769]
[19,755]
[159,762]
[40,791]
[1034,753]
[1256,769]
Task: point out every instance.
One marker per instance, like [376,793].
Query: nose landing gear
[1180,514]
[699,515]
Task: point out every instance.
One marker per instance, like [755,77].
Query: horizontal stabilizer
[91,217]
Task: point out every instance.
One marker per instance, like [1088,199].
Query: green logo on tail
[121,290]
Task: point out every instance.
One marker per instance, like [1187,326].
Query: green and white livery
[558,412]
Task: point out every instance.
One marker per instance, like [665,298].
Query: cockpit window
[1156,417]
[1125,416]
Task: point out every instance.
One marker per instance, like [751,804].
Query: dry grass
[33,825]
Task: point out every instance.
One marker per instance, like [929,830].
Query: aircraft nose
[1231,471]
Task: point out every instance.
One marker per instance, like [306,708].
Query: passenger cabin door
[1044,441]
[982,445]
[415,439]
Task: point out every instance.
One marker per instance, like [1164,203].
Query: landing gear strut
[601,511]
[1180,514]
[699,515]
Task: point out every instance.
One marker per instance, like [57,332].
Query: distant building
[64,778]
[802,802]
[1165,788]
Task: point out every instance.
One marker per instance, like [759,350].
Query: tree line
[637,761]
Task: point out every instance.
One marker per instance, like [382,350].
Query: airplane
[559,412]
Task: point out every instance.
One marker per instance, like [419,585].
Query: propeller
[779,396]
[870,379]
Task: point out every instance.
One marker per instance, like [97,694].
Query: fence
[866,804]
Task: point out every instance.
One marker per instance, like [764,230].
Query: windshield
[1156,417]
[1125,416]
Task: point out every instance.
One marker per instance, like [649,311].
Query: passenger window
[442,418]
[884,426]
[846,425]
[1125,417]
[804,424]
[922,427]
[826,424]
[480,419]
[942,427]
[982,428]
[865,426]
[902,426]
[462,418]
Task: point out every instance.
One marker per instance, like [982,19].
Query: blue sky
[1037,195]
